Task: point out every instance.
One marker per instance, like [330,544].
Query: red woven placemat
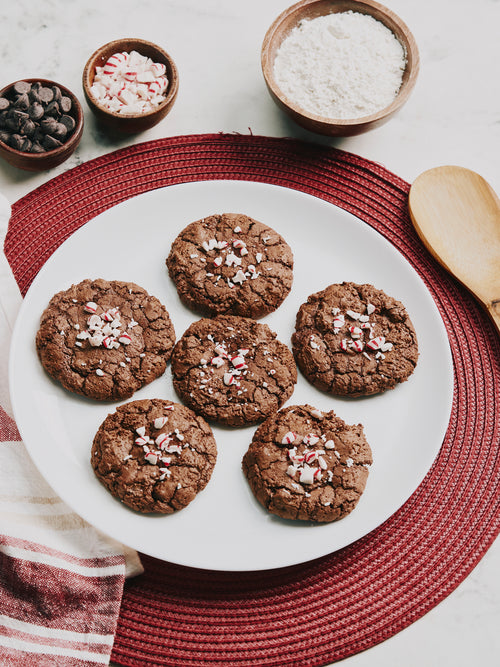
[328,609]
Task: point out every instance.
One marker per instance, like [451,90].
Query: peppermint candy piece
[357,345]
[288,438]
[163,440]
[124,339]
[375,343]
[228,379]
[338,321]
[239,362]
[90,307]
[160,422]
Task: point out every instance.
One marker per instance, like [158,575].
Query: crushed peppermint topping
[357,341]
[311,464]
[104,330]
[154,450]
[234,251]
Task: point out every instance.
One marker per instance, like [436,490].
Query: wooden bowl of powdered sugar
[339,67]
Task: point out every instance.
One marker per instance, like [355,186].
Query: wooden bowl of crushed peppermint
[41,124]
[339,67]
[130,84]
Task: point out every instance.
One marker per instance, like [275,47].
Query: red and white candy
[160,422]
[357,345]
[124,339]
[130,83]
[163,440]
[238,362]
[288,438]
[90,307]
[228,379]
[375,343]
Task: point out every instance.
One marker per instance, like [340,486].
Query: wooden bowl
[51,158]
[130,123]
[310,9]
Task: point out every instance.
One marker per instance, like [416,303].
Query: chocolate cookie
[154,455]
[306,464]
[231,264]
[354,340]
[105,339]
[232,370]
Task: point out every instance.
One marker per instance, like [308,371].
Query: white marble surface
[453,117]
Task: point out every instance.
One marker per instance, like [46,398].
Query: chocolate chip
[12,121]
[4,103]
[26,145]
[46,94]
[68,122]
[60,132]
[22,87]
[57,93]
[52,109]
[35,111]
[28,128]
[49,143]
[66,104]
[37,148]
[22,102]
[3,117]
[48,125]
[16,141]
[4,136]
[34,94]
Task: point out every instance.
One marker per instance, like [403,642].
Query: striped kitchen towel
[61,581]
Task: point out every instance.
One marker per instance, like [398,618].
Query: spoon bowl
[456,213]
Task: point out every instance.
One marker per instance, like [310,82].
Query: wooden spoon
[457,215]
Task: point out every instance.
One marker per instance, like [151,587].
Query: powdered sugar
[343,65]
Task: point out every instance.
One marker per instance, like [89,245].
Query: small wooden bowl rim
[116,46]
[379,12]
[69,145]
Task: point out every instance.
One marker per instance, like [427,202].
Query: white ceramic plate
[225,528]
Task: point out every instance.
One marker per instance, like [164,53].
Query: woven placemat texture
[328,609]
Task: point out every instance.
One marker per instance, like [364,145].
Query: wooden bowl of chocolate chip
[339,67]
[130,85]
[41,124]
